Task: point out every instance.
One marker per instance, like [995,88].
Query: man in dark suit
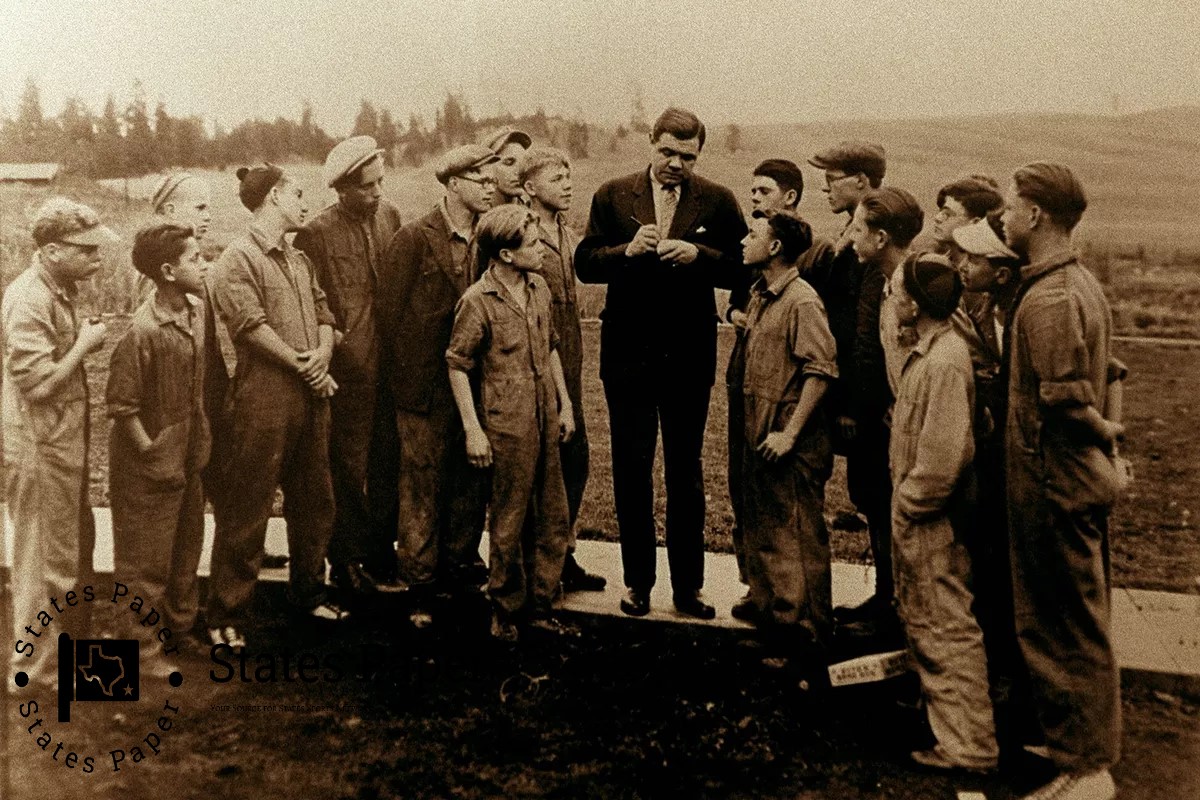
[662,239]
[422,275]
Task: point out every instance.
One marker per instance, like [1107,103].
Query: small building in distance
[29,173]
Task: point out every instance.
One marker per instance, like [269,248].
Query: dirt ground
[629,710]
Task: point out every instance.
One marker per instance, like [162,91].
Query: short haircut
[793,233]
[785,173]
[895,212]
[536,159]
[157,244]
[1054,189]
[59,217]
[502,228]
[680,123]
[978,194]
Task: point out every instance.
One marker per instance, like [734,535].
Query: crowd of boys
[407,384]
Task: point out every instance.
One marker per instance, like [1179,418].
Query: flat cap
[60,219]
[495,140]
[349,155]
[852,158]
[461,159]
[980,239]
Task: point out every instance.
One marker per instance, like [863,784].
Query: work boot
[577,579]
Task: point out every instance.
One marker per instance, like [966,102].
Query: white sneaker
[1096,785]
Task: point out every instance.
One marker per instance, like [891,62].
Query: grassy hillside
[1142,227]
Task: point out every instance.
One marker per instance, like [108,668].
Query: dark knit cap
[930,280]
[256,183]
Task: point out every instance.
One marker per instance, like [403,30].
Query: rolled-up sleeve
[470,331]
[124,393]
[29,338]
[238,294]
[812,342]
[1058,354]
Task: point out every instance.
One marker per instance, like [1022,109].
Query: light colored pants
[933,579]
[53,536]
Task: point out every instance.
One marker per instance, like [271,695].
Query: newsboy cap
[933,283]
[461,159]
[349,155]
[852,158]
[495,140]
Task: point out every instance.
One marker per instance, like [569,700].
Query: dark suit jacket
[419,285]
[659,321]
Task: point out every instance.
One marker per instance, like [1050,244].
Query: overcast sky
[755,61]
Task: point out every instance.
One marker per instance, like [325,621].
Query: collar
[260,238]
[782,282]
[181,319]
[454,231]
[490,284]
[658,187]
[550,236]
[929,337]
[59,291]
[1037,269]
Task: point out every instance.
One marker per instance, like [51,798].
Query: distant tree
[454,123]
[733,138]
[190,141]
[140,147]
[387,136]
[539,128]
[164,136]
[622,131]
[77,150]
[110,143]
[577,139]
[367,121]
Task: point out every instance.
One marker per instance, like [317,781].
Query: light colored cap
[349,155]
[495,140]
[461,159]
[979,239]
[166,187]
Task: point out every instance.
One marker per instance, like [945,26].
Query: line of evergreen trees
[131,141]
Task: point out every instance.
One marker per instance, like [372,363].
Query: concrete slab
[1152,631]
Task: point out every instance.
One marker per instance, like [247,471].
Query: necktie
[670,199]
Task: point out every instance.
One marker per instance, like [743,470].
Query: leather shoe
[636,603]
[745,610]
[691,605]
[577,579]
[353,579]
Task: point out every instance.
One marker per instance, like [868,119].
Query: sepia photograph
[478,399]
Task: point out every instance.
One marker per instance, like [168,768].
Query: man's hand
[566,422]
[324,386]
[738,319]
[479,449]
[644,241]
[677,251]
[848,428]
[91,335]
[312,364]
[777,445]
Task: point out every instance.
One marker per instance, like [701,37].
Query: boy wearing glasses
[424,272]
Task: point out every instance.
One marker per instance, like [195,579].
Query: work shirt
[932,440]
[40,328]
[1058,346]
[558,270]
[265,282]
[157,373]
[344,251]
[460,245]
[512,345]
[787,342]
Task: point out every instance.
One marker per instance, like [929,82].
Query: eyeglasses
[481,181]
[830,181]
